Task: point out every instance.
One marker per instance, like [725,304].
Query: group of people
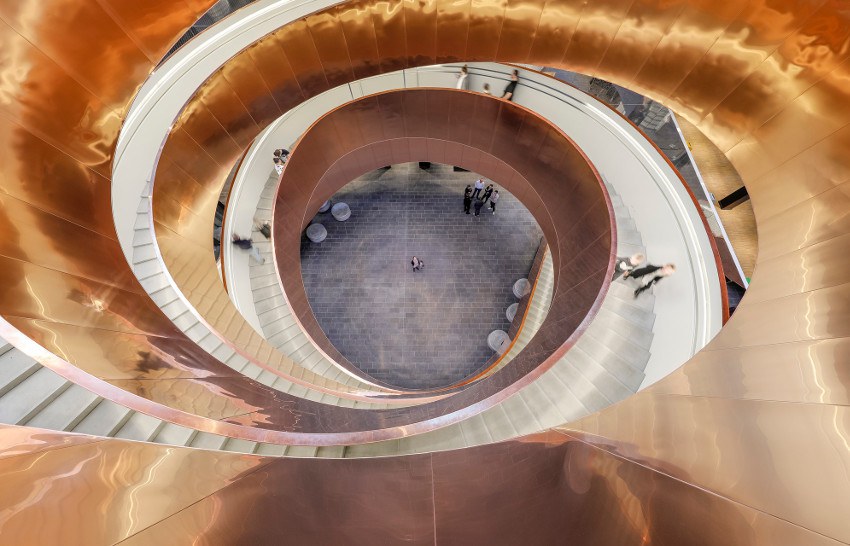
[247,244]
[279,159]
[470,195]
[507,94]
[629,268]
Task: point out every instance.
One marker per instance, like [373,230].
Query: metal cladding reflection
[766,81]
[505,142]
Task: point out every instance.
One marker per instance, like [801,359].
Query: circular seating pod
[510,312]
[521,287]
[341,212]
[316,233]
[325,206]
[498,340]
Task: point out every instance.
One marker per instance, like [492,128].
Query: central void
[426,329]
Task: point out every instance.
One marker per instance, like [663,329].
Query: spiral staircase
[148,401]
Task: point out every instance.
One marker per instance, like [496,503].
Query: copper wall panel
[452,32]
[765,474]
[359,34]
[388,20]
[700,25]
[134,485]
[555,31]
[643,28]
[486,18]
[152,25]
[274,67]
[329,39]
[92,67]
[420,22]
[246,80]
[732,59]
[594,33]
[805,371]
[519,29]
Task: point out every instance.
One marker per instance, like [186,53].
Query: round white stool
[498,340]
[341,211]
[325,206]
[511,311]
[316,233]
[521,288]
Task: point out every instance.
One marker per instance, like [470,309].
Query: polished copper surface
[549,488]
[746,444]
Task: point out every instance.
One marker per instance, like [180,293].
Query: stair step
[603,380]
[174,435]
[618,344]
[617,367]
[205,440]
[15,367]
[31,395]
[270,450]
[140,427]
[144,253]
[67,410]
[624,327]
[104,420]
[239,446]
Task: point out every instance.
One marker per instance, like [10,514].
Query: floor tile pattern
[425,329]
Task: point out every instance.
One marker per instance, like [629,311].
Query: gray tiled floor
[424,329]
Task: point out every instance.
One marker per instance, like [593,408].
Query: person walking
[462,78]
[246,244]
[488,191]
[510,89]
[623,266]
[658,272]
[278,166]
[493,200]
[479,185]
[478,204]
[417,264]
[467,199]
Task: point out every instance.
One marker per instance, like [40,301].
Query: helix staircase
[611,354]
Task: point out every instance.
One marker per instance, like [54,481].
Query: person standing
[487,89]
[478,204]
[510,89]
[246,244]
[266,229]
[479,185]
[463,78]
[417,264]
[493,200]
[467,199]
[623,266]
[488,191]
[658,272]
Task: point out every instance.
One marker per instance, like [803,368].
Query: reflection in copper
[766,81]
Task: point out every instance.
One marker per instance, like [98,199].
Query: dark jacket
[645,270]
[243,243]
